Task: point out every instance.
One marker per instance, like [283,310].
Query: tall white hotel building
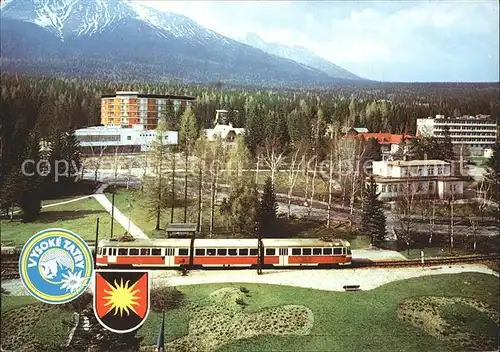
[477,133]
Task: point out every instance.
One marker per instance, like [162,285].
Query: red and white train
[180,252]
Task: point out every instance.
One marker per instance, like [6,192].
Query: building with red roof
[389,143]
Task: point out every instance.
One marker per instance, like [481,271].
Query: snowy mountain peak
[73,18]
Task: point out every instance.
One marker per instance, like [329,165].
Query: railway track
[426,262]
[9,267]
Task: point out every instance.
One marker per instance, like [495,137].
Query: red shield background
[109,318]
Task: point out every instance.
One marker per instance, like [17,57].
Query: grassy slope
[358,321]
[79,216]
[49,335]
[12,302]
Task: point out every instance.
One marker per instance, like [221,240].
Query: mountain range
[301,55]
[123,40]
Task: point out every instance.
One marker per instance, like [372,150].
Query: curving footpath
[135,231]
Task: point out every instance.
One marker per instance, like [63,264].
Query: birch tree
[216,155]
[239,157]
[429,213]
[201,151]
[330,177]
[156,187]
[274,153]
[296,161]
[405,208]
[313,183]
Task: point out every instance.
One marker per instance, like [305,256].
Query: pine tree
[373,218]
[446,146]
[30,199]
[156,187]
[188,130]
[493,173]
[268,208]
[71,153]
[402,151]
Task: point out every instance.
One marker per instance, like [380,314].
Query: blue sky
[381,40]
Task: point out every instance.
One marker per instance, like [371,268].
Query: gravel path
[329,280]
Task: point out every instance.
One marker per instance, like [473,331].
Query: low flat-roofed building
[106,139]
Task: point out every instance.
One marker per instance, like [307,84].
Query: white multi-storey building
[475,132]
[421,178]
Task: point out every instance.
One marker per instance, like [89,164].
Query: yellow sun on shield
[121,297]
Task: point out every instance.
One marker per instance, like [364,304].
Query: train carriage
[222,253]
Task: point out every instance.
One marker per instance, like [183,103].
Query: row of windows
[419,172]
[471,122]
[419,187]
[465,133]
[399,188]
[222,251]
[98,138]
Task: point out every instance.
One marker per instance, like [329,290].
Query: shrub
[165,298]
[241,301]
[244,289]
[80,303]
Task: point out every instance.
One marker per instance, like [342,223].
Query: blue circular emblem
[56,266]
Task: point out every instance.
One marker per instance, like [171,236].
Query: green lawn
[145,219]
[12,302]
[356,321]
[433,252]
[34,326]
[79,216]
[359,321]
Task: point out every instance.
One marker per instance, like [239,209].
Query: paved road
[135,231]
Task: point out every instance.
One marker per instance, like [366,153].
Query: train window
[144,251]
[337,251]
[183,251]
[327,251]
[134,251]
[200,251]
[348,250]
[254,251]
[210,251]
[343,251]
[243,251]
[296,251]
[99,250]
[232,251]
[283,251]
[270,251]
[156,251]
[122,251]
[316,251]
[306,251]
[222,251]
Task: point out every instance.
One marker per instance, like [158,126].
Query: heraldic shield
[121,299]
